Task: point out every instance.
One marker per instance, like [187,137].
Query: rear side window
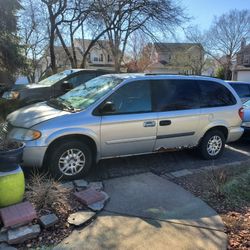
[241,89]
[215,95]
[81,78]
[170,95]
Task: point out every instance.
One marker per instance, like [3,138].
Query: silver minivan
[127,114]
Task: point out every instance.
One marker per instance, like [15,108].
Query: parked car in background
[242,89]
[246,119]
[127,114]
[52,86]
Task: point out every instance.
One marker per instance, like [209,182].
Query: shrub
[217,179]
[43,191]
[237,189]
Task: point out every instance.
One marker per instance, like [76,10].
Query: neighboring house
[241,70]
[176,58]
[99,56]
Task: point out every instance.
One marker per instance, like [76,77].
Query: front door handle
[165,123]
[149,124]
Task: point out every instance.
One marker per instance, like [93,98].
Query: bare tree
[223,40]
[55,9]
[139,52]
[34,36]
[122,18]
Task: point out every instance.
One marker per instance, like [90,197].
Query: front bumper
[234,134]
[33,156]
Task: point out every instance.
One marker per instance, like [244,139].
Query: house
[241,70]
[176,58]
[99,56]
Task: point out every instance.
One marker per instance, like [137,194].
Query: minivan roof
[161,76]
[236,82]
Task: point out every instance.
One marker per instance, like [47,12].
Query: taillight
[241,113]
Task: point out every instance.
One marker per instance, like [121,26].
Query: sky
[203,11]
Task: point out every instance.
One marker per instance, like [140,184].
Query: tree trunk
[65,48]
[52,52]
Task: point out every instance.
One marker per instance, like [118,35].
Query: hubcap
[71,162]
[214,145]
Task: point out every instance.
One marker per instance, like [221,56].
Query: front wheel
[212,145]
[70,160]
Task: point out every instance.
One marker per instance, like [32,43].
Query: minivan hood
[29,116]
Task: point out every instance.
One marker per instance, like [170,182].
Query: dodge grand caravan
[127,114]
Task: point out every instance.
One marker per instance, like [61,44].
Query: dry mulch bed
[208,185]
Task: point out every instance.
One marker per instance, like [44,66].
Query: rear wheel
[70,160]
[212,145]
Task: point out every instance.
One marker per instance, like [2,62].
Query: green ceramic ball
[12,186]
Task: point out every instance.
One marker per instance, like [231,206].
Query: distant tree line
[223,39]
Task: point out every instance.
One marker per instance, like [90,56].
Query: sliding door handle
[165,123]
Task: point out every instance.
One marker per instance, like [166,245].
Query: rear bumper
[234,134]
[33,156]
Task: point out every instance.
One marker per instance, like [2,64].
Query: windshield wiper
[53,102]
[68,105]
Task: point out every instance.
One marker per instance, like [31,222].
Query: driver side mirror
[107,108]
[66,86]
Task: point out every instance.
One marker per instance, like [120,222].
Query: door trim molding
[174,135]
[149,138]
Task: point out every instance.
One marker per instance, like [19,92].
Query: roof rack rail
[156,74]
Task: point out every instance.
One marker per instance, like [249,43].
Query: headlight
[23,134]
[245,124]
[11,95]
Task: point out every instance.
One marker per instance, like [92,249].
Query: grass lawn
[227,190]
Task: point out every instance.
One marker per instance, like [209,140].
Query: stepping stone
[21,234]
[19,214]
[5,246]
[98,206]
[97,185]
[181,173]
[80,218]
[48,220]
[89,196]
[68,185]
[81,183]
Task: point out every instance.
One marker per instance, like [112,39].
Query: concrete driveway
[149,212]
[163,163]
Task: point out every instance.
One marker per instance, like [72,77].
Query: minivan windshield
[51,80]
[88,93]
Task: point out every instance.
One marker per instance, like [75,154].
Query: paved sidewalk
[149,212]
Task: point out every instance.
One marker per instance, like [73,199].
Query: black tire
[59,149]
[203,146]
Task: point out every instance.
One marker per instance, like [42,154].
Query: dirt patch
[227,190]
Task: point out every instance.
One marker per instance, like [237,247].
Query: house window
[88,57]
[246,60]
[101,58]
[109,58]
[96,59]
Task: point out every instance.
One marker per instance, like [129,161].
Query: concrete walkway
[149,212]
